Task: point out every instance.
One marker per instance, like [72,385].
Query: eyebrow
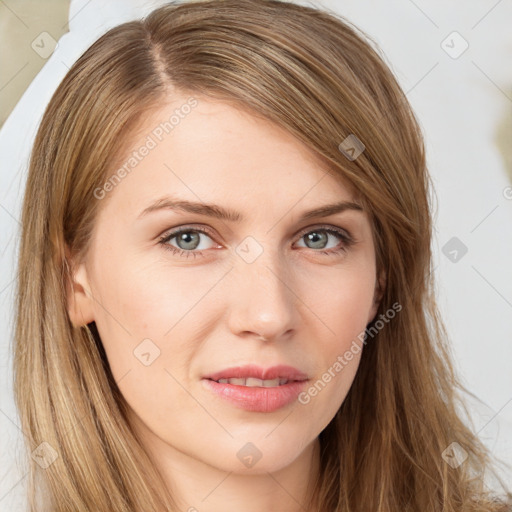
[219,212]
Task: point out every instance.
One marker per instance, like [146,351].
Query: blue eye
[188,240]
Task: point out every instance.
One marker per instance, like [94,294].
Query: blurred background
[453,61]
[20,25]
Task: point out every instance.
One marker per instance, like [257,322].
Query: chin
[261,453]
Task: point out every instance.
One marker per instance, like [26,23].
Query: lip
[258,399]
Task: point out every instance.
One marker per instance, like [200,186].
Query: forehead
[200,147]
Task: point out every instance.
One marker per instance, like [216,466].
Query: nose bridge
[262,300]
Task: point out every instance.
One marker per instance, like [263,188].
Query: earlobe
[79,304]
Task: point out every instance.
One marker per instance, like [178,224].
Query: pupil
[188,238]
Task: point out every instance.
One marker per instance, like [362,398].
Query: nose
[262,299]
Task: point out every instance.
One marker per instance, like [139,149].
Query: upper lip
[258,372]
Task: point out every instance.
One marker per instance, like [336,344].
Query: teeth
[252,382]
[271,383]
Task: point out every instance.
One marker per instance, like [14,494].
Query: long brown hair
[314,74]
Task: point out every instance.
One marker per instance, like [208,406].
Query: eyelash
[347,240]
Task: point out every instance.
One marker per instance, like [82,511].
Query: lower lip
[257,399]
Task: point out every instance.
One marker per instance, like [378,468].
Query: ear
[380,285]
[79,300]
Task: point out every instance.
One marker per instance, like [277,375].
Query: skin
[207,313]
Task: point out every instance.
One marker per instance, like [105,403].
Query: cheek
[152,308]
[342,299]
[148,335]
[124,306]
[342,306]
[142,293]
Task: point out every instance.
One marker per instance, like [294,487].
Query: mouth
[257,389]
[253,375]
[253,382]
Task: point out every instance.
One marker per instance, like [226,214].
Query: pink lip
[258,399]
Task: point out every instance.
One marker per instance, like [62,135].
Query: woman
[224,294]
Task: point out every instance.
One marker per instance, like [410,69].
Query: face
[227,325]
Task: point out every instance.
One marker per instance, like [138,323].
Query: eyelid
[327,227]
[187,227]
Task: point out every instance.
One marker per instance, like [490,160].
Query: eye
[188,240]
[318,238]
